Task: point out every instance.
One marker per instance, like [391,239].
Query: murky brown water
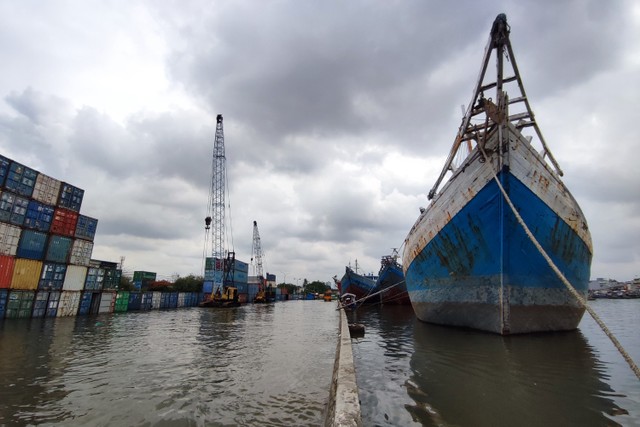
[254,365]
[413,373]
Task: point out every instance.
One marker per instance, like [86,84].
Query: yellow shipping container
[26,274]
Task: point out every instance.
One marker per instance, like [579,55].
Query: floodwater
[253,365]
[414,373]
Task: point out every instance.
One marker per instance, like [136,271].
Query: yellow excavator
[227,298]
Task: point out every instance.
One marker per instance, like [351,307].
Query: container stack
[240,277]
[45,243]
[142,279]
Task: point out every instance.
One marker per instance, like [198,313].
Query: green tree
[317,287]
[126,284]
[291,288]
[190,283]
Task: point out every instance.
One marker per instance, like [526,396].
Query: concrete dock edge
[344,402]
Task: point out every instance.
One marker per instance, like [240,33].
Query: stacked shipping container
[45,243]
[240,277]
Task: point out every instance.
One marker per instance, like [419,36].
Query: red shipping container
[6,270]
[64,222]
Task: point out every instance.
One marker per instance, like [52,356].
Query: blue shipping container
[46,304]
[164,300]
[70,197]
[135,301]
[173,299]
[89,303]
[4,293]
[59,248]
[38,216]
[52,276]
[147,299]
[241,266]
[13,208]
[240,277]
[207,287]
[21,179]
[4,171]
[95,279]
[32,245]
[86,227]
[85,304]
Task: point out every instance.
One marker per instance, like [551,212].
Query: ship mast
[488,112]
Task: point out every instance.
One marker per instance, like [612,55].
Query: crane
[265,293]
[222,262]
[256,253]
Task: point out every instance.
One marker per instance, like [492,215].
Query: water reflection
[253,365]
[462,377]
[30,370]
[414,373]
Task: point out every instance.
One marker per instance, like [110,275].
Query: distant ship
[468,260]
[364,287]
[393,289]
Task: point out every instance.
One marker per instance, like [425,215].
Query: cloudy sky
[338,116]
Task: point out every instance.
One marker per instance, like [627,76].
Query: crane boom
[256,253]
[220,266]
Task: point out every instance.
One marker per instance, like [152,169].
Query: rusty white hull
[468,262]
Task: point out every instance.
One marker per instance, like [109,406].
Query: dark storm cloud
[337,115]
[306,77]
[332,69]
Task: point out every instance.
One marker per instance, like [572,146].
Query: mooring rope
[564,280]
[366,297]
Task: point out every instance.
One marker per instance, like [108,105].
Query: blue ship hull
[482,271]
[360,286]
[393,289]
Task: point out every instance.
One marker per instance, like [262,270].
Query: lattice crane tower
[215,219]
[256,253]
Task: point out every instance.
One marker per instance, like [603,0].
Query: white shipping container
[46,189]
[181,298]
[69,302]
[155,300]
[81,252]
[107,302]
[75,277]
[9,239]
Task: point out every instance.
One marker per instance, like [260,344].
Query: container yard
[46,269]
[46,243]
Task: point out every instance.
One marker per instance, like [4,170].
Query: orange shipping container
[26,274]
[6,270]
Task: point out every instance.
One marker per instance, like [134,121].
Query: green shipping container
[20,304]
[111,278]
[122,302]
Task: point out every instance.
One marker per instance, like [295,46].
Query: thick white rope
[564,280]
[366,297]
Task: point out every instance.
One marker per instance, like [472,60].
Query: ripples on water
[414,373]
[254,365]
